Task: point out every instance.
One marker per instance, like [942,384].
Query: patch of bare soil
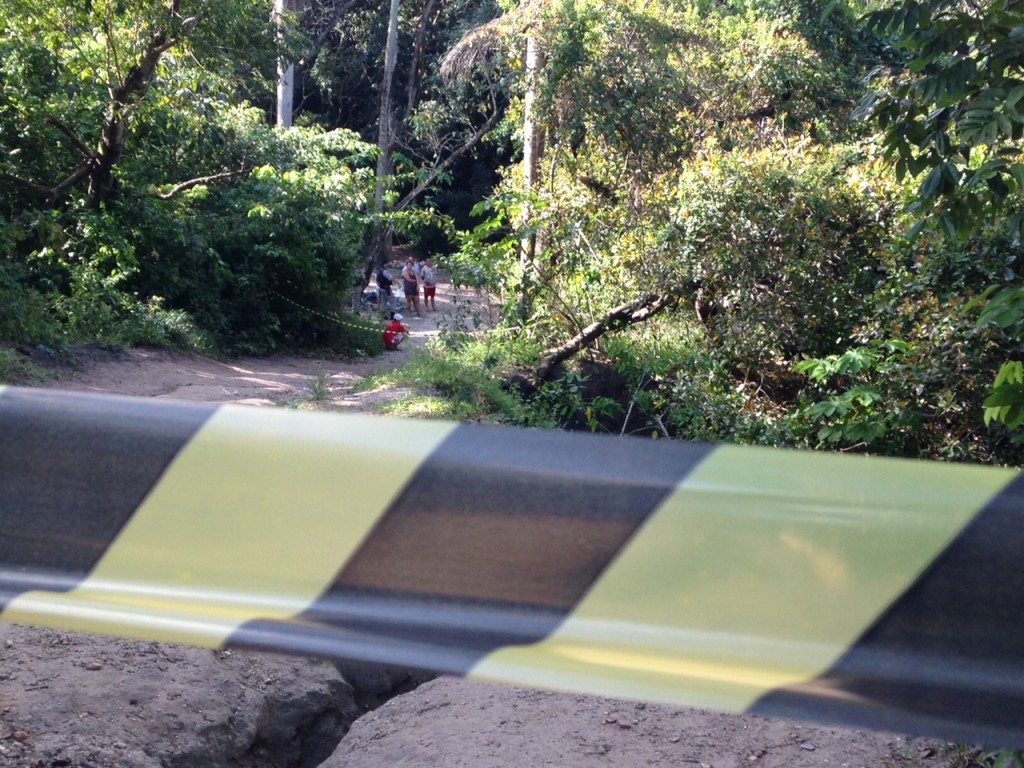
[277,380]
[94,702]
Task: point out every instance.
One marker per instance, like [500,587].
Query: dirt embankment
[93,702]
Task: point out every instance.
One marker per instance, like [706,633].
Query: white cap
[397,316]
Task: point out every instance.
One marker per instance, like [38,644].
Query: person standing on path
[384,287]
[410,285]
[429,286]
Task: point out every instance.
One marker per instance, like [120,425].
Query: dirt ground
[87,701]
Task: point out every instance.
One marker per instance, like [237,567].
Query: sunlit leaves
[1006,401]
[953,112]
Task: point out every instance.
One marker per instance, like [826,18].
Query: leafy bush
[253,265]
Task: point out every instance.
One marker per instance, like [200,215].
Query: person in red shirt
[395,332]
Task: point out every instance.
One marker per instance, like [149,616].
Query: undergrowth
[16,369]
[463,382]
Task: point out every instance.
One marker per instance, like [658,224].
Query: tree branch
[622,316]
[306,63]
[417,59]
[51,194]
[437,170]
[66,130]
[186,185]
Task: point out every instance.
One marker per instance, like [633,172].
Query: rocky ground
[85,701]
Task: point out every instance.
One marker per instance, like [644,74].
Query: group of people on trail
[413,275]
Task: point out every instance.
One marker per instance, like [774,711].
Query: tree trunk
[379,235]
[385,126]
[533,150]
[126,95]
[285,71]
[417,59]
[622,316]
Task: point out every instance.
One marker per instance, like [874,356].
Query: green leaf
[1007,394]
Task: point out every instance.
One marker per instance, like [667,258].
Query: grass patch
[320,388]
[463,383]
[421,407]
[18,370]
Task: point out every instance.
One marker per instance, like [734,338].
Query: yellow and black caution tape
[333,318]
[873,592]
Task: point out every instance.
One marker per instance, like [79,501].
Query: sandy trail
[275,380]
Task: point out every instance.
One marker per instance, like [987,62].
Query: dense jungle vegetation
[781,222]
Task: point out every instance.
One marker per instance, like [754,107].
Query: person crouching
[395,333]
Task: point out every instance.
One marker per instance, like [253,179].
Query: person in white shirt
[429,286]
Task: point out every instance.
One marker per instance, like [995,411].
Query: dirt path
[277,380]
[86,701]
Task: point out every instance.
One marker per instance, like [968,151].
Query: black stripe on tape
[73,470]
[952,644]
[493,542]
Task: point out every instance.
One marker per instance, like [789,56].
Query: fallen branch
[622,316]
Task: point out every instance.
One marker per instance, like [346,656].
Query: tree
[951,110]
[628,100]
[285,67]
[951,106]
[107,56]
[152,202]
[435,134]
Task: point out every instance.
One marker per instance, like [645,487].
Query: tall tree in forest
[381,234]
[285,69]
[468,92]
[533,148]
[109,54]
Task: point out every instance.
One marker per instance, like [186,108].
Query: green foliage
[967,756]
[1004,308]
[487,252]
[18,370]
[462,381]
[216,231]
[777,255]
[320,387]
[679,389]
[25,314]
[1005,403]
[565,400]
[853,413]
[930,386]
[952,111]
[263,262]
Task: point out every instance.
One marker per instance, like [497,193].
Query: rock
[136,704]
[463,724]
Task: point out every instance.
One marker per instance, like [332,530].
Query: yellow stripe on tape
[253,519]
[756,573]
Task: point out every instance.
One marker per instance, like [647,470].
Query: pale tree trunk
[285,93]
[533,150]
[384,131]
[381,237]
[285,72]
